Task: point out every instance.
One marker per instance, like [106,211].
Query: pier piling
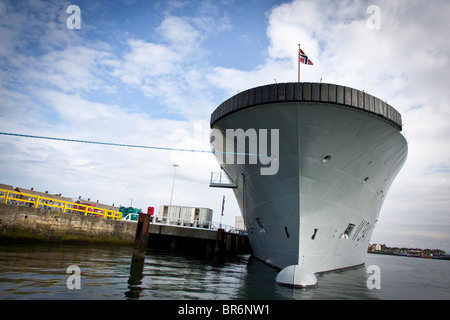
[142,230]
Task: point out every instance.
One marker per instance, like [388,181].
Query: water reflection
[161,275]
[39,272]
[346,284]
[136,275]
[168,276]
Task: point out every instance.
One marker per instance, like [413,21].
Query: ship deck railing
[221,180]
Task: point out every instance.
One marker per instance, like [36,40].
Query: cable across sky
[103,143]
[118,144]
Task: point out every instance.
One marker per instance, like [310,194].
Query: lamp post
[171,193]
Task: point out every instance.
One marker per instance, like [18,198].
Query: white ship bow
[338,152]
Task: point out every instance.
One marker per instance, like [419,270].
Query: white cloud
[144,61]
[171,70]
[235,80]
[73,69]
[179,33]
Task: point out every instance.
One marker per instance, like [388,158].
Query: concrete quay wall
[24,223]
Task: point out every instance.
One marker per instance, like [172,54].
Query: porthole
[326,158]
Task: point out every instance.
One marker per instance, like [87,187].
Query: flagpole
[298,60]
[223,206]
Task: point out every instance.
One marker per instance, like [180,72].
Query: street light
[171,194]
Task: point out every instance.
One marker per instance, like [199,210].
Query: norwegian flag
[303,57]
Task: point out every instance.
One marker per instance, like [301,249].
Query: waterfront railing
[54,204]
[38,201]
[188,223]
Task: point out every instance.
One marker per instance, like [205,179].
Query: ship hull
[335,167]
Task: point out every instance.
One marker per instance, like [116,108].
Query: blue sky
[152,72]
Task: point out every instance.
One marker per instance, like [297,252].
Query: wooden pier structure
[190,239]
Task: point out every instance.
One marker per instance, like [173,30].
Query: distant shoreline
[390,253]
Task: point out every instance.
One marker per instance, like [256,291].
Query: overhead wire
[118,144]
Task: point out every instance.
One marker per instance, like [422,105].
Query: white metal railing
[198,224]
[222,180]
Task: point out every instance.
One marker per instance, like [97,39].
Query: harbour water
[41,271]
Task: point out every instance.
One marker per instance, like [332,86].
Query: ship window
[258,221]
[326,158]
[349,229]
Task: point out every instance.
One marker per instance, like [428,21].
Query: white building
[376,247]
[187,216]
[239,222]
